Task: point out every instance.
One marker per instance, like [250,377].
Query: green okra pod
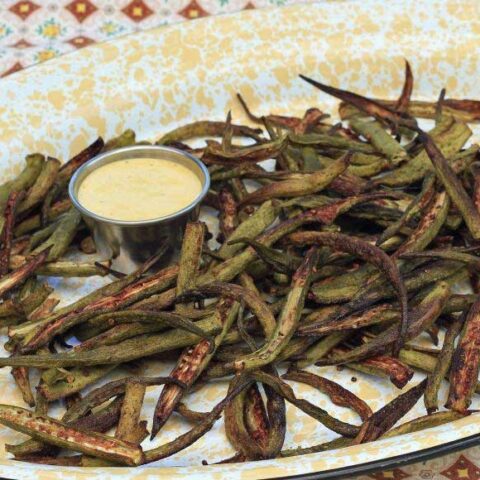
[385,418]
[288,320]
[60,434]
[422,423]
[371,254]
[452,185]
[206,128]
[338,395]
[190,257]
[60,239]
[33,167]
[383,142]
[191,364]
[129,428]
[13,201]
[465,363]
[314,411]
[19,275]
[42,185]
[442,366]
[309,184]
[125,139]
[422,317]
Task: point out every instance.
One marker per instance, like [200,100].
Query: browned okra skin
[345,253]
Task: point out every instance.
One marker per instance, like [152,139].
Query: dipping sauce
[139,189]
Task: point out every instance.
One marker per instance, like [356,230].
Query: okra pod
[60,434]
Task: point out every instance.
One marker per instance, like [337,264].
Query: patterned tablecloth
[35,31]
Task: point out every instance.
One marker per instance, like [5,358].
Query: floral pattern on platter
[35,31]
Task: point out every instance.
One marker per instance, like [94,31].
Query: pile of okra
[344,254]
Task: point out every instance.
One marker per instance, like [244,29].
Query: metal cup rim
[98,159]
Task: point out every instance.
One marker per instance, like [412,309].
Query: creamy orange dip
[139,189]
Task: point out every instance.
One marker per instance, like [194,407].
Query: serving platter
[155,80]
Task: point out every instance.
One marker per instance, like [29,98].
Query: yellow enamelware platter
[155,80]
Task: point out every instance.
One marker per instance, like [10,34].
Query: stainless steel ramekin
[130,243]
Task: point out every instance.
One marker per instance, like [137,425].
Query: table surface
[36,31]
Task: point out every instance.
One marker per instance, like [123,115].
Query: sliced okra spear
[328,212]
[157,320]
[333,141]
[465,110]
[452,185]
[187,439]
[206,128]
[190,258]
[384,366]
[236,427]
[417,205]
[65,173]
[112,328]
[367,105]
[214,153]
[24,180]
[125,139]
[277,421]
[63,268]
[254,301]
[471,261]
[34,222]
[62,236]
[323,447]
[189,414]
[288,320]
[383,142]
[338,395]
[430,224]
[369,253]
[59,323]
[60,434]
[19,275]
[320,349]
[310,183]
[125,351]
[110,289]
[129,427]
[385,418]
[465,363]
[14,199]
[427,421]
[42,185]
[191,364]
[422,317]
[314,411]
[256,420]
[442,366]
[384,312]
